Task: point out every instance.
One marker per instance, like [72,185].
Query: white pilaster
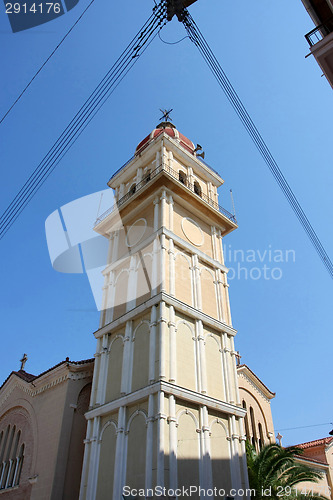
[115,246]
[103,371]
[172,276]
[149,443]
[152,344]
[126,376]
[160,439]
[203,372]
[162,337]
[225,369]
[214,246]
[226,291]
[172,443]
[119,457]
[84,473]
[156,214]
[235,462]
[197,282]
[207,450]
[94,460]
[131,289]
[171,212]
[163,208]
[110,298]
[172,347]
[163,251]
[234,370]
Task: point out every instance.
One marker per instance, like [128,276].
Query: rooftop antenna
[99,206]
[233,203]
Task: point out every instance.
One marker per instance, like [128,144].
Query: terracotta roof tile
[316,442]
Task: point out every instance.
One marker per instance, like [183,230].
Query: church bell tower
[165,409]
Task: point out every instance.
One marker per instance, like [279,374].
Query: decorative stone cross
[279,438]
[23,361]
[238,358]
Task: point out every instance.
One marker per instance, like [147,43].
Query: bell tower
[165,408]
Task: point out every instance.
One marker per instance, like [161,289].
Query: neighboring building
[42,427]
[166,409]
[319,455]
[255,398]
[320,38]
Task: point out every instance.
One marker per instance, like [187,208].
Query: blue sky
[284,325]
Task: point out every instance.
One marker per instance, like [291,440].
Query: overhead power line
[46,61]
[303,427]
[198,39]
[93,104]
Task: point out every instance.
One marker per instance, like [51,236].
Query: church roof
[316,442]
[170,130]
[256,379]
[310,459]
[29,377]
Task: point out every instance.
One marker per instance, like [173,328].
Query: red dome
[169,129]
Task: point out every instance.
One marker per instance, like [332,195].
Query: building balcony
[320,40]
[160,170]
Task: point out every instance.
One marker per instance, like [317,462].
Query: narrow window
[254,431]
[148,175]
[247,431]
[182,177]
[261,436]
[197,188]
[132,189]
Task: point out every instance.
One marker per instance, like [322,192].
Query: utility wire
[303,427]
[46,61]
[95,101]
[198,39]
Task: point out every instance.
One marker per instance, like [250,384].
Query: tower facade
[165,409]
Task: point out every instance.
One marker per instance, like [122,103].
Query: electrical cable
[86,113]
[172,43]
[46,61]
[302,427]
[198,39]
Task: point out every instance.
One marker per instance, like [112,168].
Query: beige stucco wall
[256,399]
[48,411]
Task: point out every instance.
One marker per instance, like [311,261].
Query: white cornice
[167,388]
[190,311]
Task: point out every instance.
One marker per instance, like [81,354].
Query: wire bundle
[198,39]
[93,104]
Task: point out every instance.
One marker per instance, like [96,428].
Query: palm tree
[274,473]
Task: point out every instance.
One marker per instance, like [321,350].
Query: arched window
[253,425]
[182,177]
[147,178]
[132,189]
[197,188]
[11,458]
[247,431]
[261,436]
